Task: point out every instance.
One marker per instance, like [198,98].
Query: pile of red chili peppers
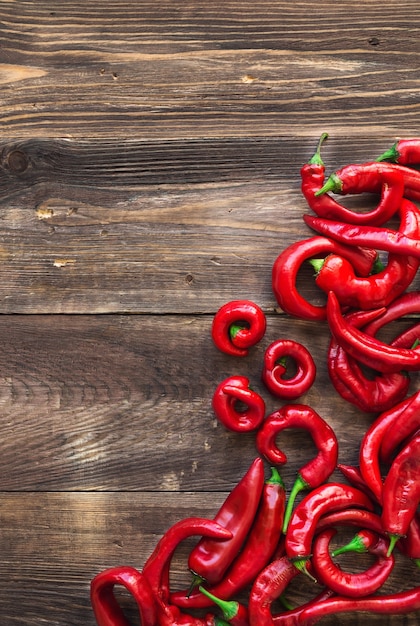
[260,539]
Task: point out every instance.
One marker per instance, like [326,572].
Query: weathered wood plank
[53,544]
[150,227]
[207,70]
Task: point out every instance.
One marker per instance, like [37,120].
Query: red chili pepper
[105,607]
[371,443]
[401,492]
[292,617]
[232,393]
[275,366]
[302,526]
[382,604]
[366,174]
[377,237]
[404,426]
[403,151]
[210,559]
[287,265]
[367,349]
[410,544]
[354,585]
[233,612]
[361,543]
[318,469]
[389,182]
[355,478]
[259,548]
[237,326]
[267,587]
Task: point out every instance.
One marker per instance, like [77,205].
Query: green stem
[417,562]
[302,565]
[317,264]
[235,328]
[333,183]
[378,266]
[275,478]
[197,580]
[393,538]
[298,486]
[229,608]
[316,159]
[390,155]
[286,603]
[355,545]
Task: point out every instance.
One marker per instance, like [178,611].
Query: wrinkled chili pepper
[267,587]
[367,349]
[260,546]
[302,526]
[401,492]
[237,326]
[275,367]
[371,395]
[318,469]
[354,585]
[233,612]
[378,237]
[403,151]
[105,607]
[369,460]
[388,182]
[382,604]
[209,559]
[232,393]
[288,263]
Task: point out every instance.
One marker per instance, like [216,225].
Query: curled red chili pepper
[287,265]
[105,607]
[350,584]
[275,366]
[238,407]
[259,548]
[302,526]
[237,326]
[401,492]
[318,469]
[210,559]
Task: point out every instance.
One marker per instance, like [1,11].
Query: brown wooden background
[150,157]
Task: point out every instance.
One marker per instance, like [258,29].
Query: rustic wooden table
[150,157]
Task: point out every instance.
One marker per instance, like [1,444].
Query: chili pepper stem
[417,562]
[197,580]
[229,608]
[298,486]
[317,264]
[391,154]
[286,603]
[301,565]
[235,328]
[393,538]
[355,545]
[333,183]
[316,159]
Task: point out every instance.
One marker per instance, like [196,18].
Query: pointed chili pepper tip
[391,154]
[302,565]
[333,183]
[298,486]
[316,159]
[229,608]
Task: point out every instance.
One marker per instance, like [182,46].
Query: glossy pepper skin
[210,559]
[286,268]
[230,392]
[401,492]
[105,607]
[405,426]
[259,548]
[318,469]
[234,612]
[274,369]
[403,151]
[237,326]
[329,497]
[353,585]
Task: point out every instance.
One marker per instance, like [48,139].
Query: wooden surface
[150,156]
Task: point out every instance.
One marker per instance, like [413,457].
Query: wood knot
[16,161]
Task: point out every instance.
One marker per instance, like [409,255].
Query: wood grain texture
[149,172]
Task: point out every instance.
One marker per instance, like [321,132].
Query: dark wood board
[150,163]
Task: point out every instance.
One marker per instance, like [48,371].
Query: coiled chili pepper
[237,326]
[403,151]
[209,559]
[401,492]
[288,263]
[302,526]
[259,548]
[105,607]
[228,394]
[275,366]
[367,349]
[354,585]
[318,469]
